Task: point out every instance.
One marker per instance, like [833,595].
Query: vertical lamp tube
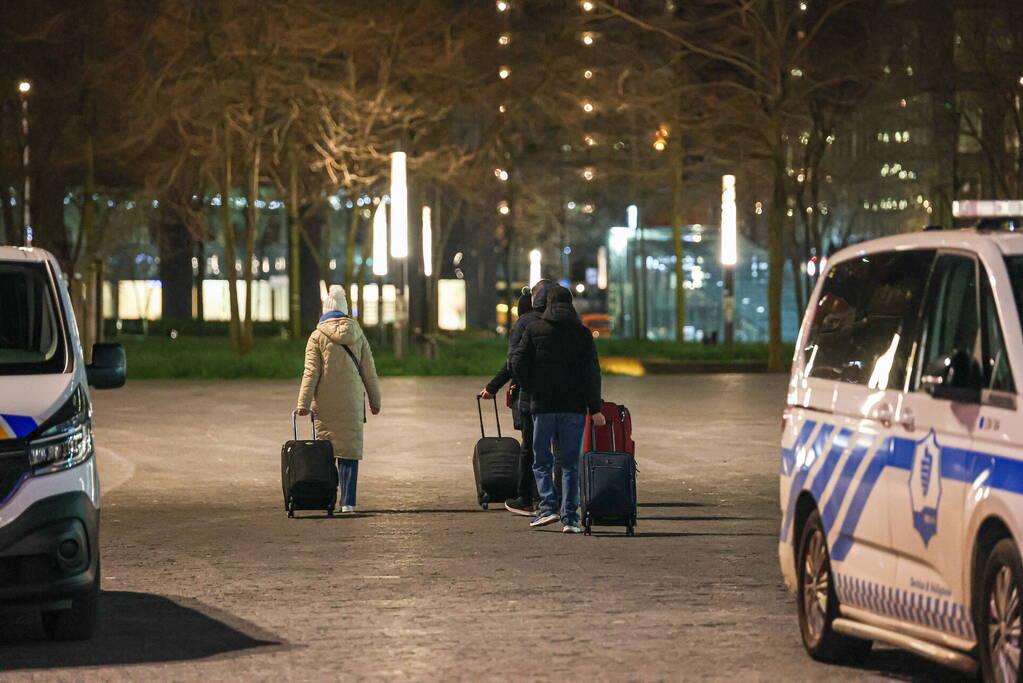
[602,268]
[632,213]
[380,241]
[399,206]
[534,266]
[427,242]
[729,240]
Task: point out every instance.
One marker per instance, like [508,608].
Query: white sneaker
[347,508]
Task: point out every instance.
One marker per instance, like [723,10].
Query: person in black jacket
[531,305]
[556,362]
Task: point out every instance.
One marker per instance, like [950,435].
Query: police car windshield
[31,340]
[1015,265]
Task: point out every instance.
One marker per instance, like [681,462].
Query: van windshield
[31,337]
[1015,266]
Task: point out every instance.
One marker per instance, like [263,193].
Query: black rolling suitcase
[609,482]
[308,473]
[495,463]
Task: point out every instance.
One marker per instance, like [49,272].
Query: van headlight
[67,448]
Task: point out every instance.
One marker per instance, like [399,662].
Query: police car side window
[952,317]
[865,320]
[997,373]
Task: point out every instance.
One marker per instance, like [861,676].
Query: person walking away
[556,361]
[531,305]
[339,375]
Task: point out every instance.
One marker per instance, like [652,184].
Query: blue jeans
[568,429]
[348,476]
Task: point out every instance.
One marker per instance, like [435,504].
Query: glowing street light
[632,216]
[534,266]
[399,206]
[588,107]
[588,38]
[504,72]
[729,242]
[380,241]
[587,6]
[24,86]
[427,242]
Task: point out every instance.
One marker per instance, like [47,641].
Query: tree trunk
[294,258]
[676,236]
[309,285]
[175,265]
[252,214]
[230,256]
[8,229]
[776,261]
[200,279]
[795,262]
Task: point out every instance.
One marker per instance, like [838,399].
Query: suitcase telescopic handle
[497,417]
[294,422]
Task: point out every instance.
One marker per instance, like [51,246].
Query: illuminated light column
[602,268]
[534,266]
[428,272]
[729,252]
[399,247]
[427,242]
[638,269]
[380,261]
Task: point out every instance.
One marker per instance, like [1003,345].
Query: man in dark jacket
[531,306]
[556,362]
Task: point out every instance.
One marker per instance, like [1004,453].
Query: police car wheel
[818,604]
[1000,613]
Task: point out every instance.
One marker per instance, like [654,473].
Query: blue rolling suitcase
[609,477]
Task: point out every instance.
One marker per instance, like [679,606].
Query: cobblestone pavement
[206,578]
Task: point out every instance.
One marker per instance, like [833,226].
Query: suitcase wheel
[630,530]
[330,512]
[486,506]
[291,508]
[588,531]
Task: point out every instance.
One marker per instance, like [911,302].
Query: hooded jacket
[334,388]
[526,316]
[556,360]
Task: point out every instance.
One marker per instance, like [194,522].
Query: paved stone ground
[206,578]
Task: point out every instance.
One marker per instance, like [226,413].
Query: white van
[49,486]
[902,451]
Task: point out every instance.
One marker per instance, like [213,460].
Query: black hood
[541,298]
[525,304]
[559,305]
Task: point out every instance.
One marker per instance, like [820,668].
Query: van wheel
[998,628]
[76,623]
[818,604]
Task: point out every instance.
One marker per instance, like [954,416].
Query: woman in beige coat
[339,374]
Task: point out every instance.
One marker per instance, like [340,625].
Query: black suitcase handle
[497,417]
[593,434]
[294,422]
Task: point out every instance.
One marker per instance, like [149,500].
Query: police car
[902,450]
[49,485]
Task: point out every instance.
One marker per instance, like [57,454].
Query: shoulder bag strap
[358,369]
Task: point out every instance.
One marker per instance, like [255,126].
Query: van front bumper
[50,552]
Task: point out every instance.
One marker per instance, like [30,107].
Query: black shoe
[519,506]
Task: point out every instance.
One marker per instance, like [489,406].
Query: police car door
[878,296]
[929,455]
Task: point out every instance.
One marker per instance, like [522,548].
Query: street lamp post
[24,88]
[399,247]
[380,263]
[729,252]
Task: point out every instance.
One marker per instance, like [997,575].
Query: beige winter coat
[332,386]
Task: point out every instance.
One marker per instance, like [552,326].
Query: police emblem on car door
[925,486]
